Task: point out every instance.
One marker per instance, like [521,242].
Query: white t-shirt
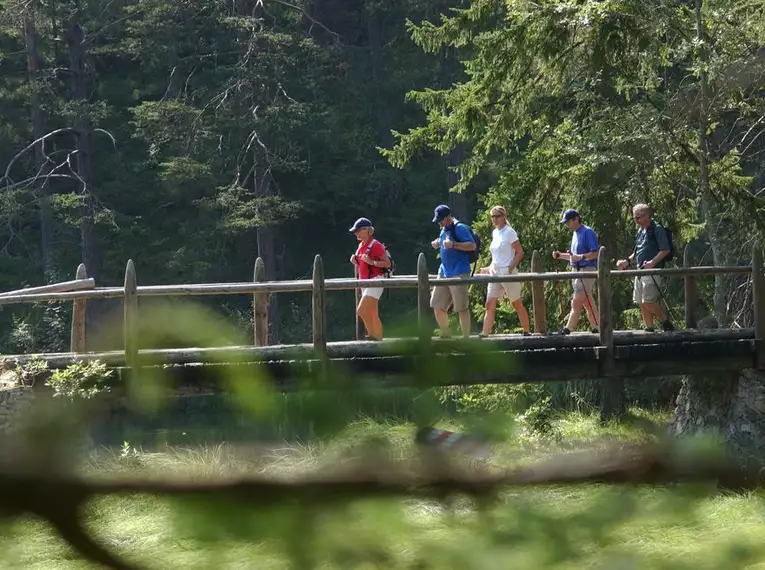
[502,252]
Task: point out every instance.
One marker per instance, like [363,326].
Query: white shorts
[496,290]
[374,292]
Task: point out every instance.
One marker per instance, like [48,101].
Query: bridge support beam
[612,387]
[77,339]
[691,292]
[538,296]
[423,295]
[260,306]
[319,308]
[758,300]
[131,316]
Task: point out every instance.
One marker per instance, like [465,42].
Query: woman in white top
[506,254]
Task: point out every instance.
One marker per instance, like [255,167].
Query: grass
[555,527]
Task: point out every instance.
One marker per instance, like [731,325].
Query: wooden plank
[77,337]
[319,308]
[758,300]
[78,284]
[260,306]
[691,292]
[130,323]
[539,307]
[404,371]
[424,311]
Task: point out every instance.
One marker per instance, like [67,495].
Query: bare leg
[465,322]
[488,319]
[442,318]
[523,315]
[576,311]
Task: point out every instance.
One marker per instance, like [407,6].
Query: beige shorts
[585,285]
[646,289]
[374,292]
[442,297]
[496,290]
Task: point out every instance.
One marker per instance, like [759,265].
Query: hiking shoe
[526,333]
[564,331]
[594,330]
[482,335]
[649,329]
[667,326]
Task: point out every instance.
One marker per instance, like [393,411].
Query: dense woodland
[195,136]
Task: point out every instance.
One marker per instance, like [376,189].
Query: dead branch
[60,499]
[30,146]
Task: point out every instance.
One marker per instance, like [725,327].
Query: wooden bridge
[608,354]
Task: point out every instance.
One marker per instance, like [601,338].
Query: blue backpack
[472,255]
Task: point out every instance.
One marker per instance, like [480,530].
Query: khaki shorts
[496,290]
[443,297]
[585,285]
[646,289]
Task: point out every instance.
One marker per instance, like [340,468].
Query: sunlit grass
[555,527]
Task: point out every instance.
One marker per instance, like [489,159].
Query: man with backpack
[653,248]
[458,246]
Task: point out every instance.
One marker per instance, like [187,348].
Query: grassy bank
[555,527]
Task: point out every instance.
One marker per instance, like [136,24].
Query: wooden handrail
[260,288]
[341,284]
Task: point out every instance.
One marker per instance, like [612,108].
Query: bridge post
[611,388]
[423,293]
[260,306]
[691,292]
[538,297]
[77,339]
[131,316]
[319,325]
[758,299]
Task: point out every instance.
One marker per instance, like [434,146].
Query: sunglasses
[497,215]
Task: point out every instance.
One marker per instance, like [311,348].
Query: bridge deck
[515,358]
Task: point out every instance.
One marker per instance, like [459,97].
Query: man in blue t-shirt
[454,243]
[583,256]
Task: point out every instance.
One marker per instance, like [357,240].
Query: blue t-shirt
[454,262]
[584,240]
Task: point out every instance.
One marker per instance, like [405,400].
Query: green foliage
[81,380]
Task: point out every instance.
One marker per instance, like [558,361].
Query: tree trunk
[267,250]
[91,251]
[731,407]
[374,34]
[708,208]
[41,164]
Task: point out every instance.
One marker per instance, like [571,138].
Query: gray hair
[642,209]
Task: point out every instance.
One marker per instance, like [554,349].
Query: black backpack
[388,271]
[671,254]
[472,255]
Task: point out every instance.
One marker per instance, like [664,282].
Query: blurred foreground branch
[60,499]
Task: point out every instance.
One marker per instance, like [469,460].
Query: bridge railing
[260,288]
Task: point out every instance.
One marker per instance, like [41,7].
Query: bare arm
[518,249]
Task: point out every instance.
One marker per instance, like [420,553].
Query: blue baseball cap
[360,223]
[441,212]
[569,215]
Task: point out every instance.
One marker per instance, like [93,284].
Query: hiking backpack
[387,271]
[472,255]
[668,231]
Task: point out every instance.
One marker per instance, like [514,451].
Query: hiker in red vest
[371,260]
